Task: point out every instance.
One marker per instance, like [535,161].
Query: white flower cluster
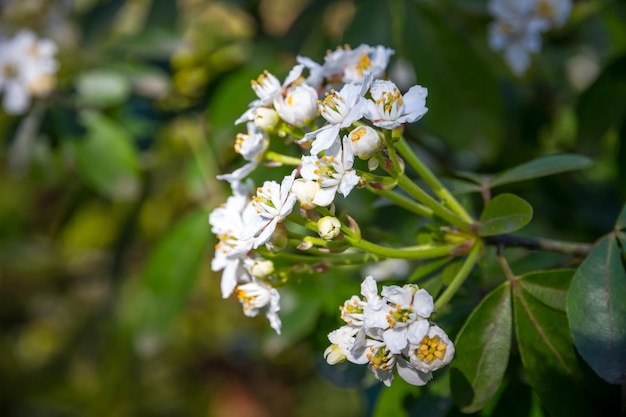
[519,25]
[27,68]
[331,116]
[391,330]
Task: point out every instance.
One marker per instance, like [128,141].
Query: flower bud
[364,141]
[299,105]
[305,192]
[261,268]
[265,119]
[328,227]
[334,355]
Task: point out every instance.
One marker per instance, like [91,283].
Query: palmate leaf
[504,214]
[596,306]
[546,347]
[482,351]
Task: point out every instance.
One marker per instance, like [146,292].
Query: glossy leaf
[504,214]
[106,158]
[541,167]
[596,306]
[548,355]
[482,351]
[549,287]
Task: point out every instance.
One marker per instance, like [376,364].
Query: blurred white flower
[27,68]
[251,147]
[297,105]
[364,141]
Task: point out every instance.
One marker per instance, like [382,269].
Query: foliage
[109,306]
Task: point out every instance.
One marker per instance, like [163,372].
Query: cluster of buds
[27,68]
[518,26]
[391,330]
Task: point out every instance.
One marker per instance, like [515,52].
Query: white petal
[410,374]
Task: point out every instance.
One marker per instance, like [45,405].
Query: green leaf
[541,167]
[471,97]
[548,356]
[170,274]
[607,93]
[107,158]
[482,351]
[549,287]
[620,224]
[504,214]
[390,402]
[596,306]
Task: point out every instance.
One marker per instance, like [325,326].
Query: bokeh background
[108,305]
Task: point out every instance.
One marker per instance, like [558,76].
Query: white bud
[261,268]
[305,192]
[334,355]
[298,106]
[265,119]
[364,141]
[328,227]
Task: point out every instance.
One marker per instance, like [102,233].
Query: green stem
[460,276]
[403,202]
[408,252]
[567,248]
[282,159]
[388,138]
[337,258]
[415,191]
[433,182]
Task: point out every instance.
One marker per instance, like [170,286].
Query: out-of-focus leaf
[548,356]
[596,307]
[391,399]
[603,105]
[450,271]
[106,158]
[482,351]
[541,167]
[98,21]
[457,186]
[471,97]
[506,213]
[171,272]
[621,219]
[515,401]
[549,287]
[102,87]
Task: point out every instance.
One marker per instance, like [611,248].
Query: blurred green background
[108,306]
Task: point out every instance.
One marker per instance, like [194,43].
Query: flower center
[380,359]
[9,71]
[357,134]
[390,100]
[349,309]
[364,63]
[246,299]
[262,202]
[325,168]
[545,9]
[239,141]
[431,349]
[399,315]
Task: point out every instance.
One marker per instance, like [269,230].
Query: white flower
[259,268]
[297,106]
[433,351]
[305,191]
[364,141]
[231,250]
[251,146]
[27,68]
[328,227]
[390,109]
[332,171]
[272,203]
[368,59]
[267,88]
[256,296]
[519,24]
[340,109]
[343,340]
